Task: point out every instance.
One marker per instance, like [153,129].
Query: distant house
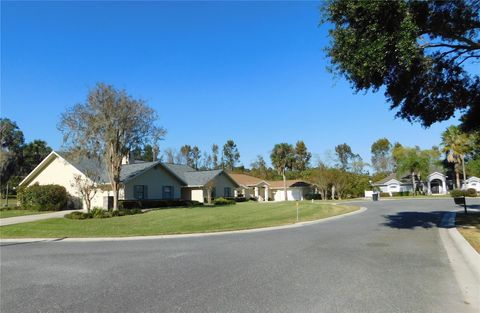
[139,180]
[473,182]
[263,190]
[434,184]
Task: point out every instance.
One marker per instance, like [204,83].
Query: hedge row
[463,193]
[43,197]
[100,213]
[150,204]
[223,201]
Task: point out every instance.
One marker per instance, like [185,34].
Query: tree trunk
[285,185]
[333,192]
[457,177]
[209,195]
[463,168]
[414,184]
[115,186]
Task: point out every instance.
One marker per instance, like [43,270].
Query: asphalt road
[388,259]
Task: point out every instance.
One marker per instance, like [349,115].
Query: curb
[194,235]
[471,256]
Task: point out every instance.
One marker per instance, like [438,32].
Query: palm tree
[456,145]
[283,157]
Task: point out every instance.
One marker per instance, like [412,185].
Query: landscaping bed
[245,215]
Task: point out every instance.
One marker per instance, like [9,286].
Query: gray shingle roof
[89,165]
[188,175]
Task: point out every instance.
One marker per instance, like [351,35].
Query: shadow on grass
[411,220]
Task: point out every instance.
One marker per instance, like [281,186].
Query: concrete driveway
[387,259]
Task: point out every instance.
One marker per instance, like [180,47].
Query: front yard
[469,227]
[14,213]
[179,220]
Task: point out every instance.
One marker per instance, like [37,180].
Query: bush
[313,196]
[240,199]
[471,192]
[78,215]
[150,204]
[401,194]
[43,197]
[384,194]
[223,201]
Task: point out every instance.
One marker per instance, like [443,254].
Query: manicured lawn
[179,220]
[472,233]
[13,213]
[12,200]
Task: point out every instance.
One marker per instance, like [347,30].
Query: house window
[167,192]
[140,192]
[227,192]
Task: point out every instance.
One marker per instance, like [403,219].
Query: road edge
[193,235]
[463,259]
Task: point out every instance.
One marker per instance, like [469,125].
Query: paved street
[388,259]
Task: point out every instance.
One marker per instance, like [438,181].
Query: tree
[415,162]
[344,155]
[322,179]
[473,167]
[170,155]
[87,185]
[33,153]
[283,157]
[456,145]
[416,50]
[357,165]
[231,156]
[259,168]
[215,156]
[12,141]
[110,123]
[195,156]
[187,154]
[302,156]
[207,161]
[381,155]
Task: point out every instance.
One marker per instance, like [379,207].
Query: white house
[392,184]
[435,184]
[139,180]
[472,182]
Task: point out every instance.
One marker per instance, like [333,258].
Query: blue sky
[254,72]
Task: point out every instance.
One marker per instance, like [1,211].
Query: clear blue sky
[252,72]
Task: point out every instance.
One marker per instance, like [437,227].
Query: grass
[12,201]
[14,213]
[179,221]
[469,227]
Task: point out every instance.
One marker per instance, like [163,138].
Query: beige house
[253,187]
[139,180]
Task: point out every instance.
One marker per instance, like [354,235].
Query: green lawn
[13,213]
[12,201]
[179,220]
[469,226]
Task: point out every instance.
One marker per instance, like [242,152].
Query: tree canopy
[419,51]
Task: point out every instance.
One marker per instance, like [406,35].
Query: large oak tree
[111,123]
[420,52]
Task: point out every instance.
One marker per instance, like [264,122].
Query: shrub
[401,194]
[78,215]
[384,194]
[313,196]
[43,197]
[150,204]
[457,193]
[240,199]
[471,192]
[223,201]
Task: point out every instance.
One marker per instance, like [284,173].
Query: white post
[235,193]
[444,187]
[256,192]
[266,193]
[429,187]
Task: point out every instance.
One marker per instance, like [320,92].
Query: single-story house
[139,180]
[263,190]
[435,184]
[473,182]
[251,187]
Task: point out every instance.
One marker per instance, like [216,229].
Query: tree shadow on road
[411,220]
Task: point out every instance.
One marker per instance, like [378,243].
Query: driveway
[387,259]
[31,218]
